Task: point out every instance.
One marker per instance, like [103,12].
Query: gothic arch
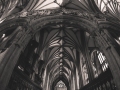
[36,25]
[63,78]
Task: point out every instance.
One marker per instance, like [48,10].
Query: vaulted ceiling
[60,43]
[11,7]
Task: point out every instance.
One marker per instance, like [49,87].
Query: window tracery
[84,70]
[60,86]
[99,63]
[59,46]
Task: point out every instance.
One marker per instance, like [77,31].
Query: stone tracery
[49,44]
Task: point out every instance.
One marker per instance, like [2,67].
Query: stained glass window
[60,86]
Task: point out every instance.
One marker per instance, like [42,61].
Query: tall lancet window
[60,86]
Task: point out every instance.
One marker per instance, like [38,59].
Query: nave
[59,44]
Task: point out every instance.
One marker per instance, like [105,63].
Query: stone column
[10,58]
[112,56]
[80,73]
[88,60]
[98,66]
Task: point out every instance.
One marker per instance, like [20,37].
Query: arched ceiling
[12,7]
[59,47]
[111,7]
[55,4]
[59,44]
[8,7]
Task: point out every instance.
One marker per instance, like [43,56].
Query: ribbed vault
[59,46]
[61,38]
